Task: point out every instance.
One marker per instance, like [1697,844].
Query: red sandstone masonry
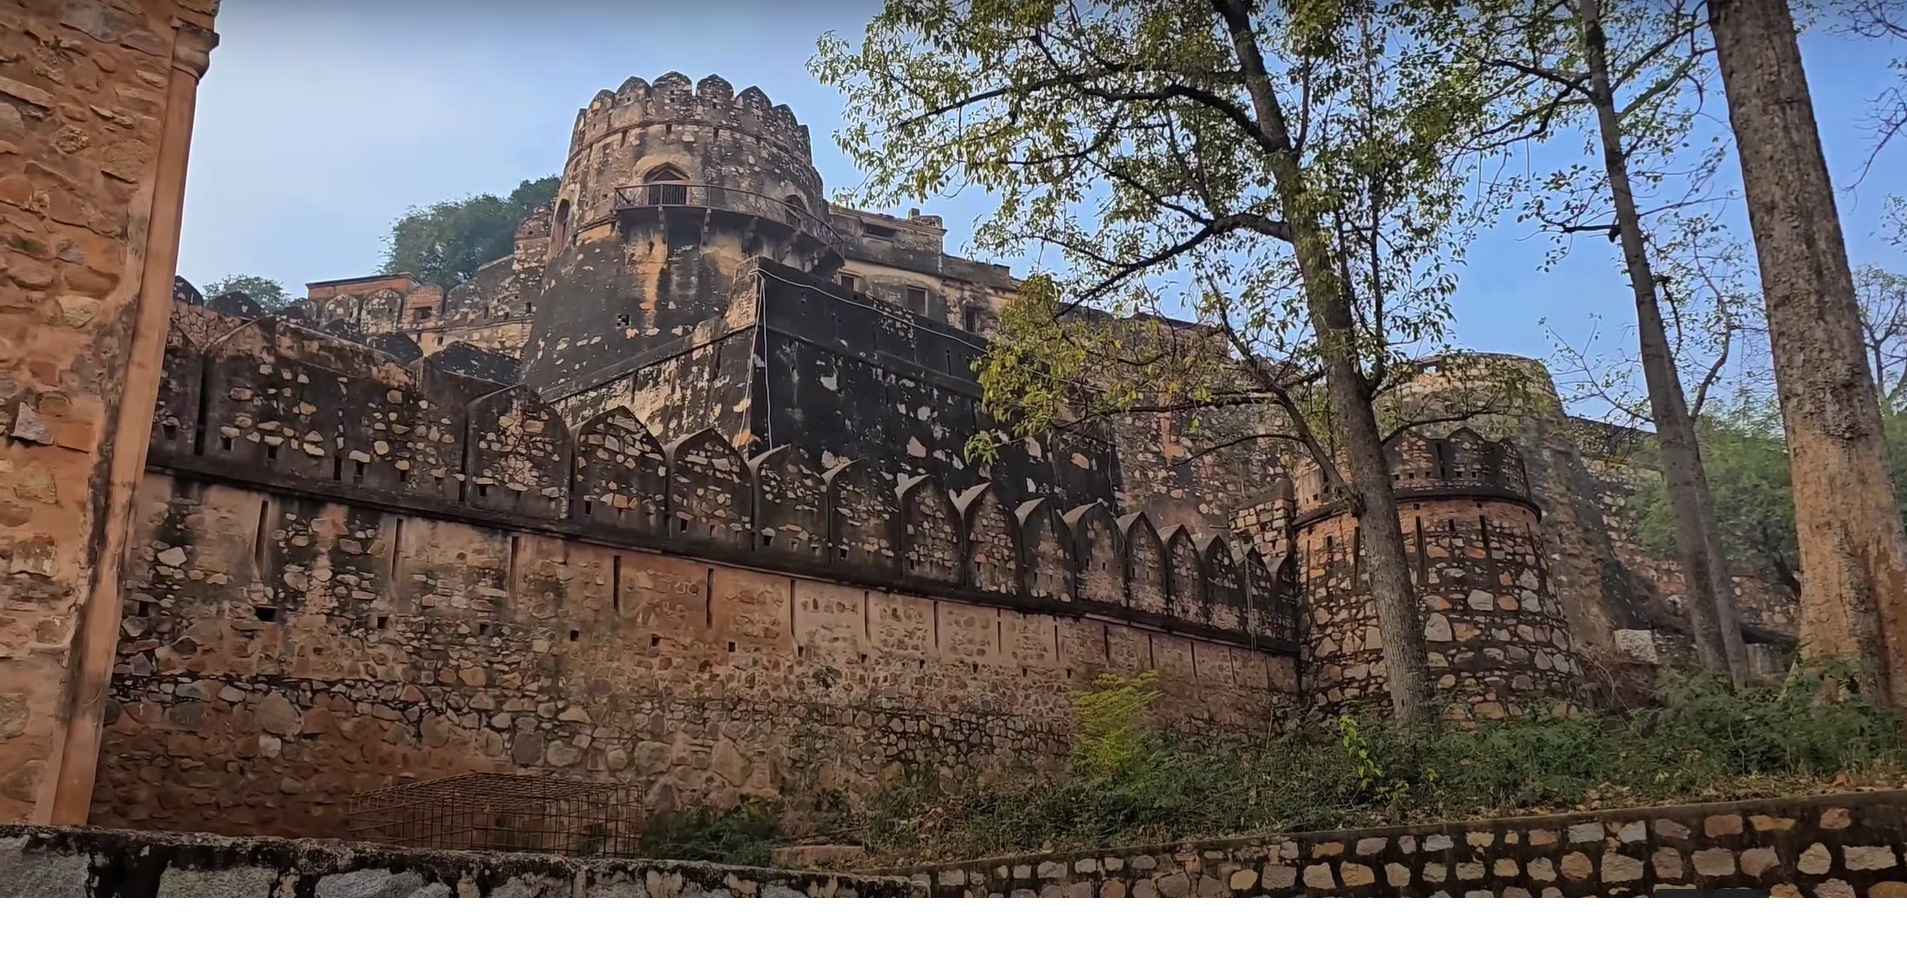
[95,117]
[1842,845]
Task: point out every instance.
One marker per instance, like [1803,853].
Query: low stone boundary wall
[66,862]
[1839,845]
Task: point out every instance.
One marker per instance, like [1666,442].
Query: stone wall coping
[1852,800]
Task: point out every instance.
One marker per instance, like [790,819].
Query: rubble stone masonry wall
[346,573]
[95,119]
[1496,636]
[1830,846]
[281,653]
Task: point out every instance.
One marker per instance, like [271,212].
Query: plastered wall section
[280,654]
[83,112]
[1847,845]
[48,862]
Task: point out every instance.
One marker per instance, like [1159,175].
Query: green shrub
[742,836]
[1112,740]
[1704,741]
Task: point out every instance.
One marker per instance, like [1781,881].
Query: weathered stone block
[1671,830]
[1869,857]
[1758,860]
[235,883]
[25,873]
[1715,862]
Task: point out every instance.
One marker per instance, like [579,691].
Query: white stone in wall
[1637,644]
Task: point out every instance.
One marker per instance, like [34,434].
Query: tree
[445,243]
[1882,299]
[1883,20]
[1295,165]
[1626,65]
[269,295]
[1851,540]
[1716,331]
[1748,475]
[1749,471]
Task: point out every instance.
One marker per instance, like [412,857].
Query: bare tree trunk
[1852,546]
[1374,502]
[1400,627]
[1711,596]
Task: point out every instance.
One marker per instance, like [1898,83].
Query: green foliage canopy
[1182,157]
[269,295]
[446,242]
[1747,462]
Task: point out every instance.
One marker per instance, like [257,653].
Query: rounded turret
[675,144]
[670,187]
[1494,630]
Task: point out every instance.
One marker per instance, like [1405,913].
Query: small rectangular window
[970,318]
[917,300]
[421,313]
[850,282]
[877,232]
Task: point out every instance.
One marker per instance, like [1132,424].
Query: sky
[319,124]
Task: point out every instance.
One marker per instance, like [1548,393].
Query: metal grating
[501,812]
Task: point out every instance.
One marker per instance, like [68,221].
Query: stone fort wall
[347,572]
[1497,639]
[1622,603]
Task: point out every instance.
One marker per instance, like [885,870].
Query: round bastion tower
[669,188]
[1496,637]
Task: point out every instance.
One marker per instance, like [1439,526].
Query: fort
[676,496]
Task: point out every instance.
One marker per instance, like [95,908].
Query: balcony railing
[729,199]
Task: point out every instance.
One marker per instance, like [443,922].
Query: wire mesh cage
[501,812]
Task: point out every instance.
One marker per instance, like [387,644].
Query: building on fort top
[674,496]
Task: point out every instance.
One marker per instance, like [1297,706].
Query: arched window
[795,208]
[560,231]
[667,187]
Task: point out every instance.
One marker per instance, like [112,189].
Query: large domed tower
[669,188]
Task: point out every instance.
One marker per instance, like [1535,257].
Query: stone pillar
[96,103]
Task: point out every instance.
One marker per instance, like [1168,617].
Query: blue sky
[320,123]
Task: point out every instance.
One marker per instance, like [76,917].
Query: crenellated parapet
[1460,464]
[671,98]
[263,401]
[671,144]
